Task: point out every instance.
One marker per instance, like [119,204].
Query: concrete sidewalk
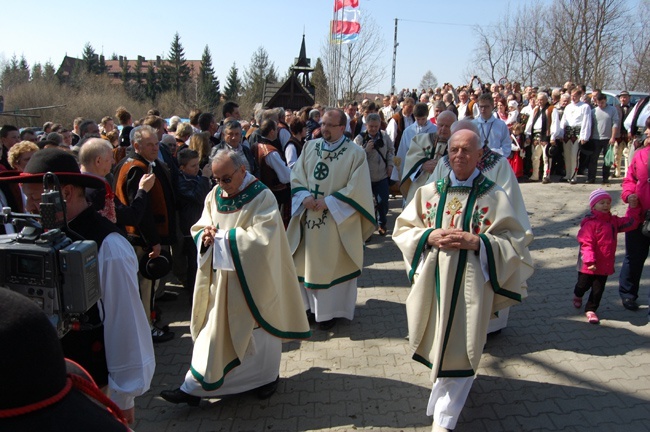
[548,370]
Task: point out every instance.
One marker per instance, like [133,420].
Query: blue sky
[432,35]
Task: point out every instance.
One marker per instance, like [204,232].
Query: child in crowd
[192,190]
[597,238]
[513,114]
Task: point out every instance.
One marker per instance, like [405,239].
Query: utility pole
[395,45]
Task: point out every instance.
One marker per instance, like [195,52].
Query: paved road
[549,370]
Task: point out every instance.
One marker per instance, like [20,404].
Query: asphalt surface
[548,370]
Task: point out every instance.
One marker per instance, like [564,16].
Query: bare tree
[634,54]
[575,40]
[428,81]
[357,66]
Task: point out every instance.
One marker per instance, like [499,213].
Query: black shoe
[546,180]
[630,304]
[605,181]
[573,181]
[161,335]
[326,325]
[311,317]
[178,396]
[167,296]
[563,180]
[267,390]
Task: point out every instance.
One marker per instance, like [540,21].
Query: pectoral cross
[316,192]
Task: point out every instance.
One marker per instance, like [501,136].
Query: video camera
[45,265]
[379,143]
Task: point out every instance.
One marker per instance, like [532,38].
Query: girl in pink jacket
[597,238]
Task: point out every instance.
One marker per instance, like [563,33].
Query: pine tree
[208,82]
[15,72]
[37,71]
[259,72]
[233,84]
[23,68]
[101,66]
[138,71]
[89,58]
[49,73]
[152,90]
[177,67]
[125,75]
[319,81]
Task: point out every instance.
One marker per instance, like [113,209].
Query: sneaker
[159,335]
[577,302]
[592,318]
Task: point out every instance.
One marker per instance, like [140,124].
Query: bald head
[468,136]
[464,125]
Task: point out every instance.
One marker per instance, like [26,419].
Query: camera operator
[115,344]
[379,152]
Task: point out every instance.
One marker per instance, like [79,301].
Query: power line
[443,23]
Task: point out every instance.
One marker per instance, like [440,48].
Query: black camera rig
[41,262]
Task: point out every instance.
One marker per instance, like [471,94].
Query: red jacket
[597,238]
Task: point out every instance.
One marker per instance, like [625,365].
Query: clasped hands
[208,235]
[311,203]
[453,238]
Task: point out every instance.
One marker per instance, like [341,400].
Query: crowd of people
[265,221]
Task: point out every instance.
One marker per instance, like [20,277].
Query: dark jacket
[191,195]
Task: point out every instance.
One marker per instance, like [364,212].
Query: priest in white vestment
[496,168]
[246,296]
[466,256]
[332,216]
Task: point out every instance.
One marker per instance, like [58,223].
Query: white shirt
[127,335]
[537,127]
[274,160]
[496,133]
[391,129]
[284,136]
[462,110]
[405,144]
[578,115]
[389,112]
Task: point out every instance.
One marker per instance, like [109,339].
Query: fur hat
[597,195]
[42,390]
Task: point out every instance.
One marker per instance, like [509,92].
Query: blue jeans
[380,192]
[636,251]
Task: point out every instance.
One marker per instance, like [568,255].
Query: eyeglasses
[226,180]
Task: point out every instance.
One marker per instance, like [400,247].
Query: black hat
[156,268]
[37,392]
[553,151]
[59,162]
